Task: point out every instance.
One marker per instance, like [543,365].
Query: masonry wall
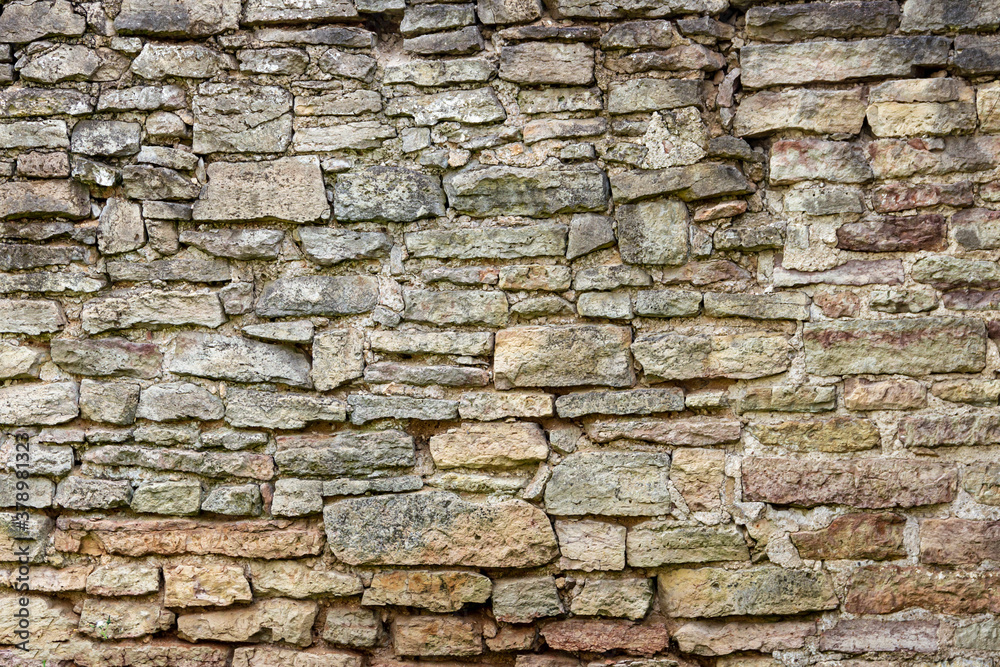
[645,333]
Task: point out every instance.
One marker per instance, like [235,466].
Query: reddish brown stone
[906,234]
[959,541]
[964,299]
[838,304]
[905,196]
[436,636]
[886,589]
[865,635]
[705,273]
[868,483]
[597,636]
[276,538]
[856,537]
[975,428]
[976,228]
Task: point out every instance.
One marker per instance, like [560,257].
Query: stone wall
[356,333]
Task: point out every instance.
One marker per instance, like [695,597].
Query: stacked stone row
[358,333]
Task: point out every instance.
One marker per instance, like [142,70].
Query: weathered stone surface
[864,635]
[123,619]
[236,192]
[551,63]
[886,395]
[698,181]
[178,18]
[591,545]
[855,537]
[277,619]
[124,579]
[329,247]
[818,111]
[437,591]
[869,483]
[239,359]
[442,73]
[33,199]
[759,591]
[490,406]
[298,11]
[839,434]
[910,347]
[346,453]
[792,23]
[599,636]
[235,243]
[436,636]
[365,408]
[297,580]
[562,356]
[656,543]
[179,400]
[107,356]
[455,308]
[623,598]
[725,637]
[883,589]
[797,398]
[523,599]
[337,358]
[503,242]
[691,432]
[29,21]
[39,403]
[653,232]
[794,160]
[158,61]
[765,65]
[439,529]
[533,192]
[475,445]
[353,627]
[958,541]
[387,193]
[894,234]
[672,356]
[152,310]
[610,483]
[472,107]
[263,123]
[631,402]
[317,295]
[174,498]
[262,538]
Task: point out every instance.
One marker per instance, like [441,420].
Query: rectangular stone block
[865,635]
[867,483]
[563,356]
[959,541]
[656,543]
[674,356]
[631,402]
[610,483]
[887,589]
[916,346]
[757,591]
[501,243]
[540,192]
[696,432]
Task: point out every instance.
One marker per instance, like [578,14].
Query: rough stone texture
[272,267]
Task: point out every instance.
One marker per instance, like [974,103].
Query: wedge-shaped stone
[247,408]
[177,18]
[531,191]
[296,579]
[439,528]
[758,591]
[298,11]
[235,118]
[672,356]
[471,107]
[499,445]
[563,356]
[610,483]
[495,242]
[32,317]
[705,180]
[239,359]
[260,538]
[839,434]
[867,483]
[34,199]
[455,308]
[317,295]
[630,402]
[766,65]
[39,403]
[440,592]
[152,310]
[916,346]
[656,543]
[393,194]
[277,619]
[107,356]
[347,453]
[288,189]
[725,637]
